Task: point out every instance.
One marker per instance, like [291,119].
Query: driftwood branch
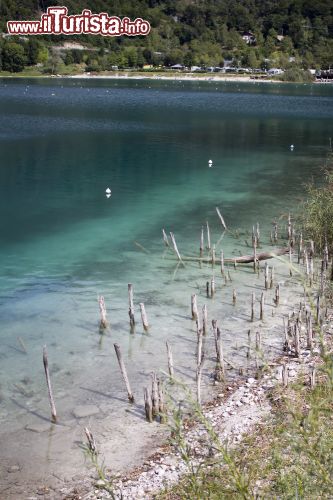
[243,259]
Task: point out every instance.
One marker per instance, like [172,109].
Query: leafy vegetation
[317,213]
[289,456]
[289,34]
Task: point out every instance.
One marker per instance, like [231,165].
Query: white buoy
[108,191]
[210,163]
[291,147]
[108,195]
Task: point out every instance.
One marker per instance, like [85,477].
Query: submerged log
[243,259]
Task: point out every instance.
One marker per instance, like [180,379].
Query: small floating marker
[108,191]
[108,195]
[210,163]
[291,147]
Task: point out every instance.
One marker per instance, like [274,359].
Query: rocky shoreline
[233,414]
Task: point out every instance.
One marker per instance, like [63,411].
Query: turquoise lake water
[62,143]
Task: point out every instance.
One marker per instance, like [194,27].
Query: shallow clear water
[63,242]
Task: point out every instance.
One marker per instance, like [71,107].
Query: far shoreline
[181,77]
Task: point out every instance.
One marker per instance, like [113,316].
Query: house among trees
[249,37]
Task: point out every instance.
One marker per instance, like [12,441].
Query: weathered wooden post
[296,339]
[275,232]
[124,372]
[277,295]
[253,299]
[161,405]
[102,309]
[207,289]
[234,297]
[144,317]
[49,387]
[309,331]
[271,282]
[266,275]
[300,247]
[173,239]
[219,371]
[258,233]
[194,307]
[290,262]
[148,406]
[154,395]
[221,218]
[170,359]
[254,254]
[165,238]
[204,320]
[262,302]
[213,256]
[208,236]
[202,241]
[212,287]
[222,263]
[131,305]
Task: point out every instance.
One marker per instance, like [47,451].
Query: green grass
[289,456]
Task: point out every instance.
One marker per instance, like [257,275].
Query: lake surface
[63,243]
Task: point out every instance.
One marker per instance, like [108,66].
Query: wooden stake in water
[221,218]
[213,256]
[290,262]
[212,287]
[300,247]
[254,253]
[161,405]
[124,373]
[266,276]
[234,297]
[258,233]
[170,359]
[253,299]
[49,387]
[102,310]
[154,395]
[222,262]
[204,320]
[208,236]
[262,302]
[271,282]
[202,242]
[173,239]
[277,295]
[165,238]
[194,307]
[144,317]
[219,371]
[275,236]
[148,407]
[131,305]
[207,289]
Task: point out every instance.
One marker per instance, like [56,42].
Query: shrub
[317,212]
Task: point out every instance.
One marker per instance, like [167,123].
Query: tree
[32,49]
[13,57]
